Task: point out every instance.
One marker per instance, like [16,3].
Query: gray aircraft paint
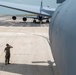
[60,1]
[50,3]
[62,34]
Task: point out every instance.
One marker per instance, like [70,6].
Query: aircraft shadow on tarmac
[23,24]
[26,69]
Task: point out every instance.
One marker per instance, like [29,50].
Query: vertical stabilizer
[60,1]
[41,6]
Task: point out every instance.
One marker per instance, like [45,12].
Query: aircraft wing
[45,11]
[35,17]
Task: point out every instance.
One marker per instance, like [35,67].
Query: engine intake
[14,17]
[24,19]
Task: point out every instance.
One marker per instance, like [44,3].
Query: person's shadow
[28,69]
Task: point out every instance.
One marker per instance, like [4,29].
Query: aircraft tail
[41,6]
[60,1]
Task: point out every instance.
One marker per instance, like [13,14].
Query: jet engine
[14,17]
[24,19]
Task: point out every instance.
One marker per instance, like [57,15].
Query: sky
[50,3]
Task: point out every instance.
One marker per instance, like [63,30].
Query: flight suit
[7,55]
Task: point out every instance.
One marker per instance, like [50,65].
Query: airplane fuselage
[62,34]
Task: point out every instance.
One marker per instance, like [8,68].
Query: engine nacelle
[24,19]
[14,17]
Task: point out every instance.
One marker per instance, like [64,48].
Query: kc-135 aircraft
[43,13]
[62,36]
[37,16]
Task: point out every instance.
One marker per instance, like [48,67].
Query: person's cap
[7,44]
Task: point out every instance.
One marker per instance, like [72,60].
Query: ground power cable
[3,53]
[11,43]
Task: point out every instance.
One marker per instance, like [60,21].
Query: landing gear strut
[34,21]
[47,21]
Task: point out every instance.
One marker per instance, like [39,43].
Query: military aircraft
[62,36]
[43,13]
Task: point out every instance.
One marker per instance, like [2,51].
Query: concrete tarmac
[31,53]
